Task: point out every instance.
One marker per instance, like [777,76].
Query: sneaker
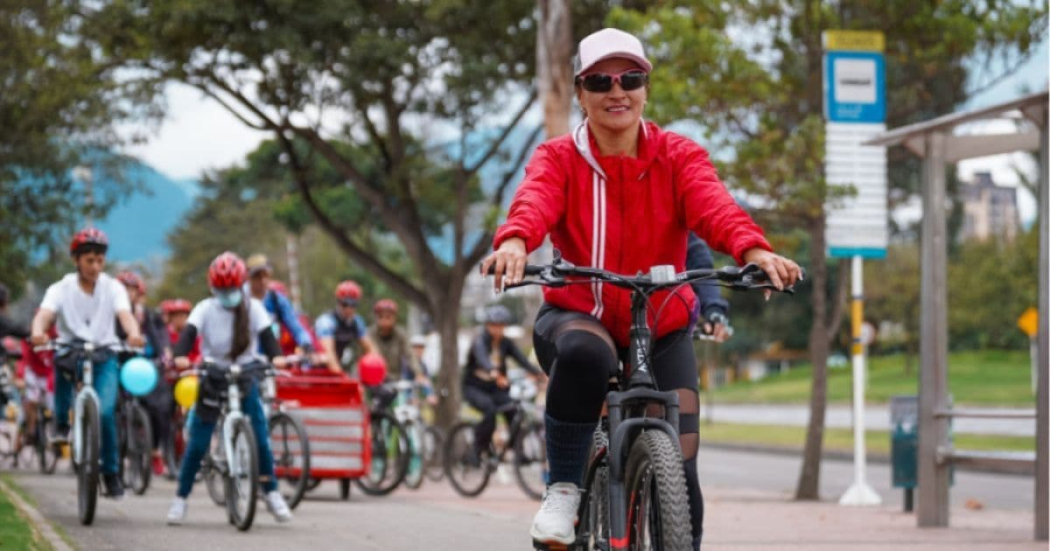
[276,505]
[114,486]
[158,465]
[556,520]
[177,511]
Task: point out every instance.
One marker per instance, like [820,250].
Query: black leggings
[579,355]
[487,402]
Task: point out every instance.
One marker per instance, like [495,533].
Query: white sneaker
[275,503]
[177,512]
[556,520]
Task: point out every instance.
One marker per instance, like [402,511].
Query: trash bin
[904,445]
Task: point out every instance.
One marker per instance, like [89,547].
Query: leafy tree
[59,104]
[759,100]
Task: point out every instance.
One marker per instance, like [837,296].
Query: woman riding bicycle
[232,326]
[485,383]
[620,194]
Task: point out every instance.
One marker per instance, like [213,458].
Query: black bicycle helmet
[497,314]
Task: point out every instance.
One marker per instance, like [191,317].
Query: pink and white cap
[609,43]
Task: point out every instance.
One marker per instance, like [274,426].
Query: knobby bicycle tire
[658,505]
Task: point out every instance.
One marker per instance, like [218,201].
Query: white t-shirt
[215,326]
[88,317]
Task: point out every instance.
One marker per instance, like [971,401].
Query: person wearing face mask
[620,194]
[84,305]
[232,326]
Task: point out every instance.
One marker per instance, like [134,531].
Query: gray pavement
[876,417]
[747,495]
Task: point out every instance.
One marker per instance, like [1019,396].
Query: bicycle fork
[86,392]
[234,406]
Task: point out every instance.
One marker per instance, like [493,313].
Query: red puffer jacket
[625,215]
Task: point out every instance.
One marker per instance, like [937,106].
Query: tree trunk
[554,65]
[446,319]
[809,478]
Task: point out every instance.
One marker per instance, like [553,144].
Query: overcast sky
[199,134]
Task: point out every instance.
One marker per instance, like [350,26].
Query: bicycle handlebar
[559,272]
[80,346]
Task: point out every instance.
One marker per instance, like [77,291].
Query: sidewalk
[436,518]
[876,417]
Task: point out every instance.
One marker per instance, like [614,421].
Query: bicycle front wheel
[47,454]
[291,457]
[242,476]
[214,466]
[416,465]
[530,461]
[88,468]
[434,453]
[139,457]
[390,454]
[467,470]
[658,507]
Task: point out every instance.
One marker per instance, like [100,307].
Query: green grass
[982,378]
[842,439]
[15,531]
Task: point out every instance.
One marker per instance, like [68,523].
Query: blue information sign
[855,87]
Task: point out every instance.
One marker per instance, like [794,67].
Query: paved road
[877,417]
[740,488]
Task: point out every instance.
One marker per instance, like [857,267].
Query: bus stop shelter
[936,142]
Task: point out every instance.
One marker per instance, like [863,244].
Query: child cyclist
[232,327]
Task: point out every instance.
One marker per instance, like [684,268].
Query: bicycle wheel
[291,457]
[530,461]
[139,450]
[466,469]
[390,454]
[88,468]
[594,526]
[173,448]
[658,508]
[214,468]
[414,472]
[434,453]
[242,476]
[344,489]
[47,455]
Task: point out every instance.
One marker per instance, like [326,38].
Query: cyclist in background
[177,311]
[342,327]
[392,343]
[232,326]
[36,371]
[84,303]
[711,309]
[485,384]
[278,305]
[8,327]
[286,339]
[158,348]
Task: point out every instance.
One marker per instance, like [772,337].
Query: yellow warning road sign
[1029,322]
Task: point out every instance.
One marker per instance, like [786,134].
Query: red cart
[332,410]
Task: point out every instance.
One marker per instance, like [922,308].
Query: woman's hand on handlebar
[508,263]
[782,272]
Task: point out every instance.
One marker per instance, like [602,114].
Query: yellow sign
[1029,322]
[857,41]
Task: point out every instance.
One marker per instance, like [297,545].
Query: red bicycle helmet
[385,305]
[348,291]
[131,279]
[371,369]
[176,305]
[226,271]
[89,237]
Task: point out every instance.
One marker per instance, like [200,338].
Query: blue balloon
[138,376]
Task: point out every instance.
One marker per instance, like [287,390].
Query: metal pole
[1042,422]
[859,493]
[933,379]
[293,271]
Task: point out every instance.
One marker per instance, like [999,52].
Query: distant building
[989,210]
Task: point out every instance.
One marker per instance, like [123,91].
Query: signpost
[855,111]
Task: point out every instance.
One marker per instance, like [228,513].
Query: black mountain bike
[634,493]
[135,440]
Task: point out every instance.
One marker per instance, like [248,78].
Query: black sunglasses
[631,79]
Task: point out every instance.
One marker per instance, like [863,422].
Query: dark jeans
[487,402]
[200,441]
